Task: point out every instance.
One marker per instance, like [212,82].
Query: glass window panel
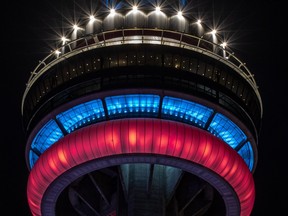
[122,59]
[32,158]
[248,99]
[193,65]
[80,68]
[215,74]
[245,93]
[185,63]
[114,61]
[48,135]
[240,89]
[229,81]
[246,153]
[132,58]
[96,63]
[158,59]
[177,61]
[65,74]
[223,78]
[140,58]
[106,62]
[59,77]
[124,105]
[81,115]
[150,58]
[73,71]
[167,60]
[201,68]
[225,129]
[187,111]
[209,71]
[88,65]
[234,85]
[42,89]
[47,85]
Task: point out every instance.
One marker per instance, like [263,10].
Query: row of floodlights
[134,9]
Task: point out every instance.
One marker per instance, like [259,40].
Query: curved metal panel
[135,19]
[113,21]
[157,20]
[179,24]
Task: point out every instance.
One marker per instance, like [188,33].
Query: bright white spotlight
[224,44]
[213,32]
[91,19]
[112,11]
[199,22]
[134,8]
[76,27]
[57,52]
[158,9]
[180,14]
[64,40]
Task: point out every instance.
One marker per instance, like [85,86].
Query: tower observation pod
[144,112]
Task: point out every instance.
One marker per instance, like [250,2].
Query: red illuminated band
[141,136]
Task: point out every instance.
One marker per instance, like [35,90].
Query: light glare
[92,19]
[57,52]
[75,27]
[64,40]
[213,32]
[157,9]
[135,8]
[224,44]
[112,11]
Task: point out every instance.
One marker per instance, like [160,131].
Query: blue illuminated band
[141,105]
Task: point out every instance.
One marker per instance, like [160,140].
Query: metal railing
[142,36]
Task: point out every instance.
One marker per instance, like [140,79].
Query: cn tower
[141,109]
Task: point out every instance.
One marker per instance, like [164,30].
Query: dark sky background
[258,28]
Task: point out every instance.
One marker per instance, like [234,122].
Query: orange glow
[148,140]
[62,157]
[248,195]
[52,164]
[178,146]
[201,149]
[224,162]
[132,137]
[207,151]
[164,142]
[232,170]
[115,140]
[110,139]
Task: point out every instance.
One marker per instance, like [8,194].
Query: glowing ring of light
[146,137]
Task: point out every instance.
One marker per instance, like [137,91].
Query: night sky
[28,28]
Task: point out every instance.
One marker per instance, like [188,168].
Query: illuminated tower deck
[143,111]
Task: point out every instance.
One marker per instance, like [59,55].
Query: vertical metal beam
[150,179]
